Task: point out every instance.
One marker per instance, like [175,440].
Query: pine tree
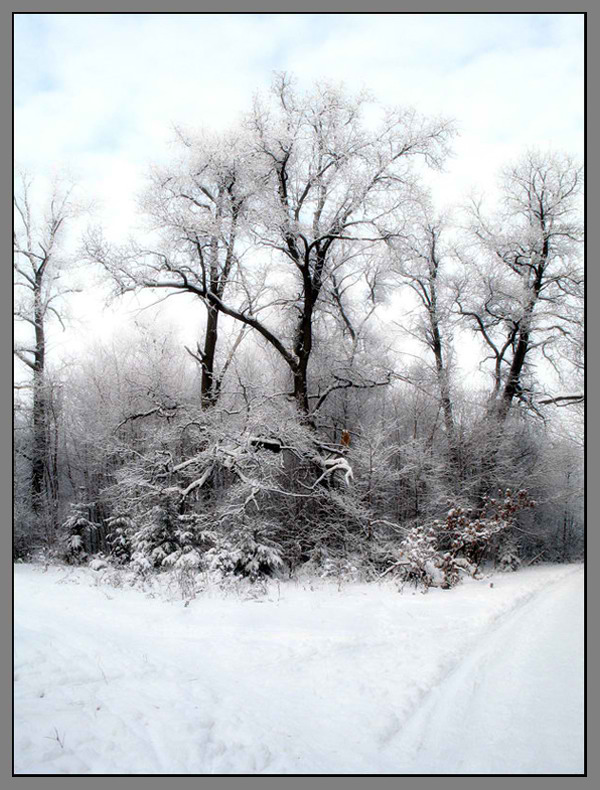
[78,531]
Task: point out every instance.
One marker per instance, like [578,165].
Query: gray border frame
[266,782]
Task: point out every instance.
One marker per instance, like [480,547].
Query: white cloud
[116,83]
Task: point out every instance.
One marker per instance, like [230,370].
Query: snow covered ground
[306,679]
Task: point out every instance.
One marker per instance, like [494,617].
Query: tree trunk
[209,384]
[303,348]
[40,441]
[301,388]
[442,377]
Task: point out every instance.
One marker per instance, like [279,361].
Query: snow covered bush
[98,564]
[191,541]
[341,569]
[423,564]
[247,552]
[340,566]
[77,529]
[508,559]
[436,555]
[120,529]
[189,557]
[154,540]
[169,539]
[472,533]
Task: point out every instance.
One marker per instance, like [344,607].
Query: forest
[377,388]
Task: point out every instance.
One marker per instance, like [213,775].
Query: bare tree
[197,205]
[418,262]
[325,189]
[336,190]
[525,293]
[39,286]
[523,288]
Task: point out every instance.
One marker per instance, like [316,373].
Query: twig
[535,558]
[56,737]
[391,568]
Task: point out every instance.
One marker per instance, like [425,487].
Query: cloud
[100,93]
[119,82]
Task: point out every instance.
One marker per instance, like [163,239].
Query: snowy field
[306,679]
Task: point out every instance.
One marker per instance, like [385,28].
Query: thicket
[294,437]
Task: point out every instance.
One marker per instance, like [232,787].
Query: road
[515,703]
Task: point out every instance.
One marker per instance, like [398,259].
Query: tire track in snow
[449,667]
[522,732]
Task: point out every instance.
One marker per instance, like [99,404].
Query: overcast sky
[99,93]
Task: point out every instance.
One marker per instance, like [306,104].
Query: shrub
[77,532]
[120,529]
[246,552]
[436,555]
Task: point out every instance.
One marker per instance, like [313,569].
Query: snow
[306,678]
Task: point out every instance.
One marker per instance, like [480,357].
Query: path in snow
[513,705]
[353,680]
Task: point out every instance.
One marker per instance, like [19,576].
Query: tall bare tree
[39,266]
[418,262]
[197,204]
[523,288]
[325,189]
[337,189]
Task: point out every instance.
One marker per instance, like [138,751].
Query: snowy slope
[309,679]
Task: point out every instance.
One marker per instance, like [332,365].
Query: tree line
[295,433]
